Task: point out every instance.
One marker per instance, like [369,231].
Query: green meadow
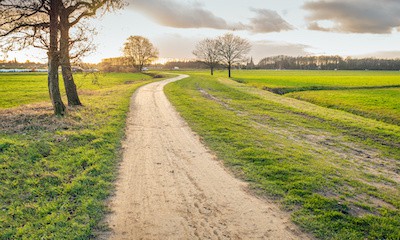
[56,173]
[17,89]
[328,155]
[381,104]
[23,88]
[373,94]
[293,81]
[336,172]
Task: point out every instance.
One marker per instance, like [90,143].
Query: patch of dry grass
[39,117]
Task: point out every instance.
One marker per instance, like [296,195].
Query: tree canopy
[207,51]
[139,51]
[232,49]
[46,24]
[227,49]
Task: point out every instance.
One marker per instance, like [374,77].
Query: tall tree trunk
[212,70]
[229,70]
[66,69]
[53,61]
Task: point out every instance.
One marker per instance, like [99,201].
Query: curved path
[171,187]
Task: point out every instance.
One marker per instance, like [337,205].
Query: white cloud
[268,21]
[175,14]
[355,16]
[179,15]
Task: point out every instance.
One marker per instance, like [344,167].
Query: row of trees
[47,24]
[227,50]
[27,65]
[328,63]
[305,63]
[116,64]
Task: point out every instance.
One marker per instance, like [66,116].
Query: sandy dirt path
[171,187]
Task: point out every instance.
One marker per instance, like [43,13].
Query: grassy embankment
[379,104]
[55,173]
[336,172]
[373,94]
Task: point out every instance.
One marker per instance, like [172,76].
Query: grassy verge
[372,94]
[380,104]
[336,172]
[296,80]
[55,173]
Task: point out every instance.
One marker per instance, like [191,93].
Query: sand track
[171,187]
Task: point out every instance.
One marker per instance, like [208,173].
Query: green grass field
[380,104]
[17,89]
[56,173]
[336,172]
[293,81]
[373,94]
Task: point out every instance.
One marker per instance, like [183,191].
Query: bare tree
[81,42]
[207,51]
[26,18]
[232,50]
[71,13]
[80,45]
[24,21]
[139,52]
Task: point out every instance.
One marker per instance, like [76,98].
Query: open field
[336,172]
[372,94]
[381,104]
[24,88]
[13,89]
[55,173]
[293,81]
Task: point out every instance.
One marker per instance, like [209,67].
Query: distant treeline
[119,64]
[304,63]
[276,62]
[185,65]
[17,65]
[328,63]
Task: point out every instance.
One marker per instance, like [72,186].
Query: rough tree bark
[53,60]
[66,69]
[71,13]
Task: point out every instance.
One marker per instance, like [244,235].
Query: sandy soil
[171,187]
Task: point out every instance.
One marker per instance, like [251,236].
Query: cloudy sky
[290,27]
